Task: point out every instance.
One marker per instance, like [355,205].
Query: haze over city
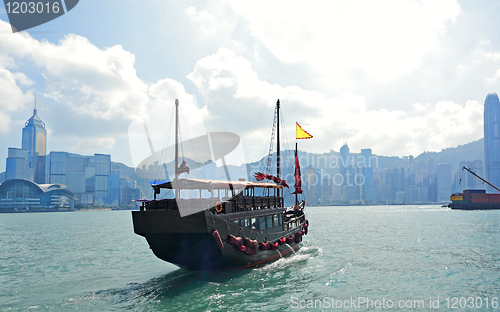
[399,77]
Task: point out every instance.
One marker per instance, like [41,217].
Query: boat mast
[296,155]
[278,157]
[176,144]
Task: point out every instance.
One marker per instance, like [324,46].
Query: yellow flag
[301,133]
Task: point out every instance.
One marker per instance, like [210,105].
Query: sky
[400,77]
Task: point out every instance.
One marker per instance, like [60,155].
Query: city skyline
[330,178]
[34,124]
[398,77]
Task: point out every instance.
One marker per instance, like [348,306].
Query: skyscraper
[443,176]
[17,165]
[344,166]
[492,139]
[35,142]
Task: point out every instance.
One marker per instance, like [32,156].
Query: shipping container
[479,199]
[474,191]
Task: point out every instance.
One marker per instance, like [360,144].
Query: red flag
[183,168]
[298,181]
[259,176]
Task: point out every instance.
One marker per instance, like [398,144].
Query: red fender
[236,241]
[218,240]
[251,243]
[274,246]
[265,246]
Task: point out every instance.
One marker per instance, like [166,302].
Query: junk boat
[241,224]
[475,199]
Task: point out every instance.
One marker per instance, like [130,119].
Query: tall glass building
[35,142]
[492,140]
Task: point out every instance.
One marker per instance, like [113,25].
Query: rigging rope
[192,146]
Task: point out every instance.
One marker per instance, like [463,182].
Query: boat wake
[186,290]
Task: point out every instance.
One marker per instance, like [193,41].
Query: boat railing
[249,203]
[294,222]
[224,205]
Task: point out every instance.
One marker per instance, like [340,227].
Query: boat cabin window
[276,222]
[244,223]
[269,221]
[280,219]
[253,223]
[262,224]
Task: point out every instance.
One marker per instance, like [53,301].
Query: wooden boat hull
[188,242]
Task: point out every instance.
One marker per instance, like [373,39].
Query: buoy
[218,207]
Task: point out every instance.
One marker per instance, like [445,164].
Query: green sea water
[361,258]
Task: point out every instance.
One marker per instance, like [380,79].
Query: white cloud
[4,122]
[12,98]
[387,74]
[383,39]
[92,90]
[208,24]
[101,83]
[238,101]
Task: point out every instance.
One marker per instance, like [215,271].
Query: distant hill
[454,155]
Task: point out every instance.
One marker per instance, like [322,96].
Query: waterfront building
[344,155]
[345,167]
[367,193]
[349,195]
[312,185]
[89,177]
[17,165]
[492,140]
[366,155]
[28,162]
[366,185]
[326,188]
[34,141]
[443,176]
[22,194]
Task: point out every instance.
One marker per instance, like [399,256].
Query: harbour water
[400,255]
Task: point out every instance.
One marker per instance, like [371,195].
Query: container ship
[475,199]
